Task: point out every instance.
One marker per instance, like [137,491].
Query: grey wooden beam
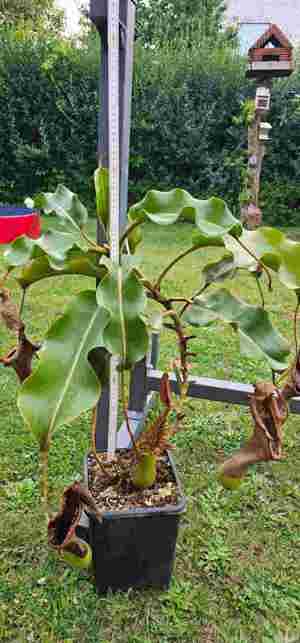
[138,387]
[137,423]
[214,390]
[102,415]
[154,349]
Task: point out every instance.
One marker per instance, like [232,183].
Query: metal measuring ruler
[120,99]
[113,20]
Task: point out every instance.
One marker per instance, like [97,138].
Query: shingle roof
[272,32]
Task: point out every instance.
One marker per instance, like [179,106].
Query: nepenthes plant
[113,319]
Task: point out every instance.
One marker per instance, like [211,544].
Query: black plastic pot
[136,548]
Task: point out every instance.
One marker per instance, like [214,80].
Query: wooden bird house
[271,56]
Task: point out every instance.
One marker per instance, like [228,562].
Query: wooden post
[251,213]
[98,15]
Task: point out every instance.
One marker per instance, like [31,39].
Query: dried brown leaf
[165,391]
[61,529]
[20,358]
[9,312]
[269,411]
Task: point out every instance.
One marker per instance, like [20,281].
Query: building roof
[274,35]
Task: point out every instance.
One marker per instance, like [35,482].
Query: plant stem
[125,413]
[180,300]
[295,326]
[178,328]
[128,230]
[196,294]
[122,318]
[44,483]
[4,278]
[261,292]
[22,302]
[124,355]
[249,252]
[95,454]
[173,263]
[101,249]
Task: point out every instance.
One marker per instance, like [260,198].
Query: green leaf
[133,293]
[212,216]
[134,237]
[54,244]
[215,219]
[19,252]
[155,321]
[66,205]
[64,383]
[198,315]
[264,243]
[289,269]
[216,271]
[122,295]
[101,179]
[77,262]
[274,249]
[137,339]
[252,323]
[202,241]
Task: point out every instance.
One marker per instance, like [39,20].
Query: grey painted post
[98,15]
[139,390]
[138,387]
[126,76]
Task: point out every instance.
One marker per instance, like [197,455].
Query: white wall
[284,13]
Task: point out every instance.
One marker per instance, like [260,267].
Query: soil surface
[112,489]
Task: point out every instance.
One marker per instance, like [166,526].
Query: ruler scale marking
[114,190]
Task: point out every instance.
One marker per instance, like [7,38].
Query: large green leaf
[19,252]
[132,290]
[264,243]
[212,217]
[101,179]
[64,383]
[257,335]
[76,262]
[216,271]
[200,240]
[137,339]
[66,205]
[271,247]
[54,244]
[289,269]
[122,295]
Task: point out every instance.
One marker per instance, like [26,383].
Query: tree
[36,14]
[171,17]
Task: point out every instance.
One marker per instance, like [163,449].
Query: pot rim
[166,510]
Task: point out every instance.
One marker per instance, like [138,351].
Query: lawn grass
[237,569]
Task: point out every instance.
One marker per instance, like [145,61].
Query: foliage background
[188,91]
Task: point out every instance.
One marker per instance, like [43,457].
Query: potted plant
[135,500]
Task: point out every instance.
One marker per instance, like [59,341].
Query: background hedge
[186,95]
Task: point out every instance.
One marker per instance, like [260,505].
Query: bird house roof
[274,36]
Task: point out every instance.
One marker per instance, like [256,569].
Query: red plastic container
[16,222]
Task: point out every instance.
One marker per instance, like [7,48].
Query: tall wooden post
[271,56]
[98,15]
[251,213]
